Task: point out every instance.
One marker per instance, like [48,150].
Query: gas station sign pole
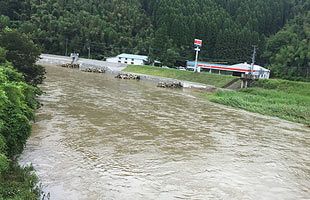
[198,44]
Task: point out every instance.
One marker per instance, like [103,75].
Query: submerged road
[101,138]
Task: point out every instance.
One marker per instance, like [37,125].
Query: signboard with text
[198,42]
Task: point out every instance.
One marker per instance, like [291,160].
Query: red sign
[198,42]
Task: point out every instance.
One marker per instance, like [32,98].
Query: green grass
[288,100]
[205,78]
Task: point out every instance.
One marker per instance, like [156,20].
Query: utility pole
[66,47]
[196,60]
[88,47]
[253,59]
[88,51]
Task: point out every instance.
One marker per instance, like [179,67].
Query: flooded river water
[101,138]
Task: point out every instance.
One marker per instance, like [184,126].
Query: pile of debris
[71,66]
[170,85]
[128,76]
[93,70]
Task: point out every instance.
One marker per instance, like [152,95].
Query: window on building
[125,62]
[132,63]
[126,59]
[132,59]
[119,61]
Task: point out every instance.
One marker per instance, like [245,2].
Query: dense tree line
[162,29]
[289,49]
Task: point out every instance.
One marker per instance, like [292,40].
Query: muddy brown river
[101,138]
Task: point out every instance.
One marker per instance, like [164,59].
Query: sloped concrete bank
[84,63]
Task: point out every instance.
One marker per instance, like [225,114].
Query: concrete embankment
[115,69]
[84,63]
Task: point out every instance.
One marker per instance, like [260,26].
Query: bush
[17,105]
[19,183]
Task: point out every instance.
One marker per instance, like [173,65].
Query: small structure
[75,57]
[240,70]
[129,59]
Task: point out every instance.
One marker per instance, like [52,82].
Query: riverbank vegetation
[205,78]
[17,105]
[164,30]
[289,100]
[18,102]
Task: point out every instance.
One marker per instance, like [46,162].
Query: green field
[205,78]
[288,100]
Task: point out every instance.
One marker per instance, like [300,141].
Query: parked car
[190,68]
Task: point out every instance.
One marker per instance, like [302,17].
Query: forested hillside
[165,29]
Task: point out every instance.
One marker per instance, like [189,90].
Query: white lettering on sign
[198,42]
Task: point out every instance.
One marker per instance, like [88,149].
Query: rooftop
[133,56]
[206,63]
[248,66]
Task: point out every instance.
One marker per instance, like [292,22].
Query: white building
[256,70]
[235,70]
[129,59]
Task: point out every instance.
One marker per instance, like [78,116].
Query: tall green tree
[289,50]
[23,53]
